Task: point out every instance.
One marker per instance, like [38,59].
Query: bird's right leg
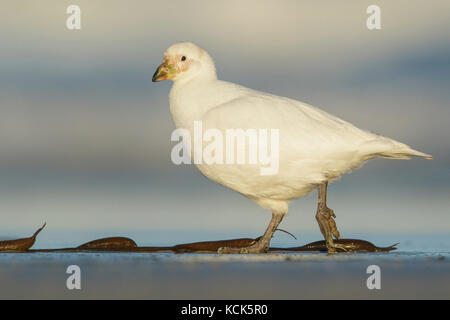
[325,217]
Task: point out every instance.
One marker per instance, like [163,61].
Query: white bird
[314,147]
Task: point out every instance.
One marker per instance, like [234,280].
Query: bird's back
[303,127]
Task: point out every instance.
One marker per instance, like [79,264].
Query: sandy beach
[404,275]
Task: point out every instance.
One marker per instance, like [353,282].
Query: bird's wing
[301,126]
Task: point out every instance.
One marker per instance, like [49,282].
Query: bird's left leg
[325,217]
[262,244]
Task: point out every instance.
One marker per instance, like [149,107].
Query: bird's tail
[382,147]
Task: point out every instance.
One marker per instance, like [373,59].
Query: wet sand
[404,275]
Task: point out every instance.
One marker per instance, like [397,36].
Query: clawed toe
[336,248]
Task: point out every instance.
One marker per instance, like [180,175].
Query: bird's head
[183,61]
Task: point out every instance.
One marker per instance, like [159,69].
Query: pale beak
[164,72]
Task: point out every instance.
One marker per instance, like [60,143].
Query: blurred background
[85,135]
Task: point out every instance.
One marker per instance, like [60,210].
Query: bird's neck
[190,100]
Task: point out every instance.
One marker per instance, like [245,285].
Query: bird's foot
[258,247]
[263,242]
[334,248]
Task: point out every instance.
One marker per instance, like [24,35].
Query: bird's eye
[183,58]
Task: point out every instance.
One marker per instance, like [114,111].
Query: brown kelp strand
[213,246]
[109,243]
[20,244]
[350,245]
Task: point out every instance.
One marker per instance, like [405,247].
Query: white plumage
[315,146]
